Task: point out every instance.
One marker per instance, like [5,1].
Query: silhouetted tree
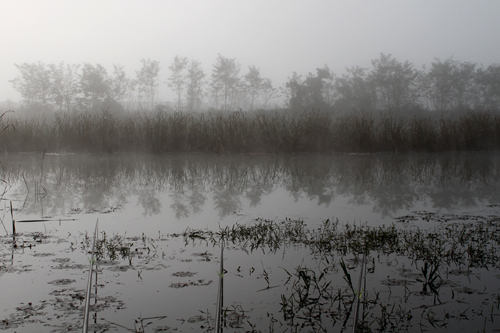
[254,84]
[194,85]
[394,82]
[450,85]
[177,79]
[225,80]
[307,93]
[329,90]
[315,85]
[268,92]
[64,87]
[94,86]
[488,81]
[120,84]
[33,83]
[294,90]
[354,91]
[148,79]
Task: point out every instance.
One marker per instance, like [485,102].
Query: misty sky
[277,36]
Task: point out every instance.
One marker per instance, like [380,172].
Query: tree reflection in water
[387,182]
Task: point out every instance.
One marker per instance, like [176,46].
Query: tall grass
[240,132]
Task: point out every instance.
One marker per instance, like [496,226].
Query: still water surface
[167,193]
[158,195]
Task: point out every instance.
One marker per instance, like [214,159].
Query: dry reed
[259,132]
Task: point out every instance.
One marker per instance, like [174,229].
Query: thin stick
[13,221]
[89,285]
[6,232]
[41,171]
[358,295]
[364,286]
[220,293]
[26,183]
[44,220]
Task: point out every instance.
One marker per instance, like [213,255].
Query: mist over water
[173,192]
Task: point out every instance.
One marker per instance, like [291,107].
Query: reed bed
[241,132]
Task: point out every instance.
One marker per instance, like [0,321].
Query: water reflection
[190,185]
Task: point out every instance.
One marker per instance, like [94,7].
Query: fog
[278,37]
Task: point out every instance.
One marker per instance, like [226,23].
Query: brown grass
[240,132]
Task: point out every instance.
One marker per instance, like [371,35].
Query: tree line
[63,87]
[388,84]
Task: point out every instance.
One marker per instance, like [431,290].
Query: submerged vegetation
[358,278]
[421,269]
[355,278]
[256,132]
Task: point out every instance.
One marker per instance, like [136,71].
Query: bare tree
[225,79]
[254,84]
[148,79]
[177,79]
[268,92]
[120,84]
[194,81]
[64,87]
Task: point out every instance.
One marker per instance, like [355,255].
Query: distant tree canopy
[388,84]
[178,79]
[308,93]
[393,85]
[68,87]
[147,80]
[393,82]
[194,86]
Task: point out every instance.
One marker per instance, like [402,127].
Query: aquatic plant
[314,303]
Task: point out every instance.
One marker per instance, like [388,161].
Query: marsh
[289,221]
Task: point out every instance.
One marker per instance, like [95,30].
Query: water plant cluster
[466,245]
[119,247]
[436,276]
[258,132]
[423,293]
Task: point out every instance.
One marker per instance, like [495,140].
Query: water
[159,195]
[167,193]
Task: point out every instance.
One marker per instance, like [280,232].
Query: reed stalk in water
[359,293]
[220,293]
[89,285]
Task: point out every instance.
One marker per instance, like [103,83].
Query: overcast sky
[277,36]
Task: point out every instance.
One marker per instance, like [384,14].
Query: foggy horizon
[279,38]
